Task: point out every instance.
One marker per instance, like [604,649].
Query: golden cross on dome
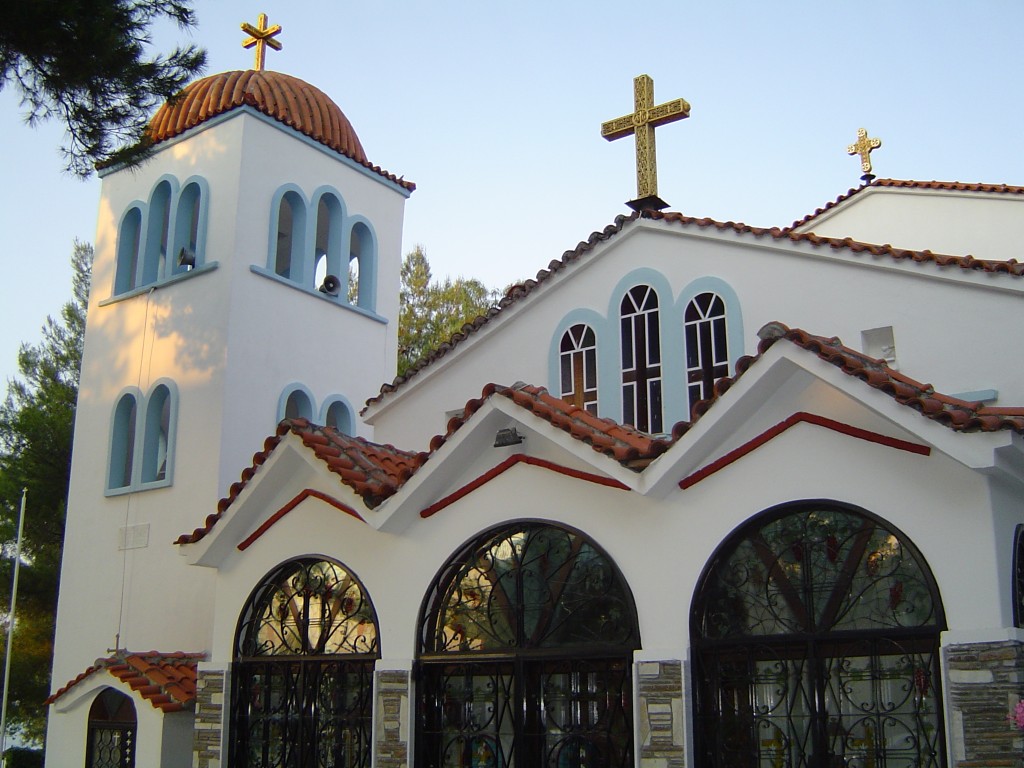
[864,147]
[642,122]
[261,36]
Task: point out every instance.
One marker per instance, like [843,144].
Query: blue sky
[494,110]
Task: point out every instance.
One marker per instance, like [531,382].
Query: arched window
[707,350]
[815,636]
[303,676]
[128,240]
[527,639]
[122,443]
[296,403]
[578,361]
[157,232]
[327,249]
[641,359]
[112,727]
[186,230]
[1018,576]
[291,224]
[157,435]
[337,414]
[362,267]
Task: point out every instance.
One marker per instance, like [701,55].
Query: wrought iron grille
[527,645]
[816,639]
[111,746]
[303,675]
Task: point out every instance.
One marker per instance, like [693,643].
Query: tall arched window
[815,636]
[128,240]
[527,641]
[707,350]
[641,359]
[327,249]
[157,435]
[337,414]
[157,233]
[305,650]
[578,361]
[291,225]
[111,731]
[122,442]
[362,267]
[186,230]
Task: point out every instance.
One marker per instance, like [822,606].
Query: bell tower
[249,270]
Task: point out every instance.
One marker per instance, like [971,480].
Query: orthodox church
[684,499]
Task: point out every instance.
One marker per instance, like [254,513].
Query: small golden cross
[863,147]
[642,122]
[261,36]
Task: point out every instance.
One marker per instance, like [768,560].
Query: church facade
[683,499]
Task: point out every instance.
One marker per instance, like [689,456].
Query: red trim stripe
[299,498]
[801,417]
[510,462]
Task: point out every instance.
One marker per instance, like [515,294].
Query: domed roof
[287,99]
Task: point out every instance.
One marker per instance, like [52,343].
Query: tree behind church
[432,312]
[86,64]
[36,422]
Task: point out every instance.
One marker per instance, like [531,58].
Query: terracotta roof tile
[377,471]
[520,290]
[372,470]
[621,442]
[1004,189]
[284,98]
[165,680]
[957,414]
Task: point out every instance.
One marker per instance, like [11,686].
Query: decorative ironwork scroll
[527,646]
[303,680]
[816,640]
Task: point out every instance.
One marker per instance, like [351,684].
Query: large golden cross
[645,118]
[863,147]
[261,36]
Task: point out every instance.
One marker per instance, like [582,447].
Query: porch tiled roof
[378,471]
[165,680]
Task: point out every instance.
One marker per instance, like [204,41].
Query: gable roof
[848,246]
[955,186]
[165,680]
[377,472]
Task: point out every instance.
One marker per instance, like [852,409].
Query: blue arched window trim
[151,235]
[302,401]
[362,250]
[142,437]
[336,411]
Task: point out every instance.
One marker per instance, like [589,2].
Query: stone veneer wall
[660,695]
[985,682]
[206,740]
[392,716]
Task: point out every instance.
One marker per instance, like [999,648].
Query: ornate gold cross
[864,147]
[645,118]
[261,36]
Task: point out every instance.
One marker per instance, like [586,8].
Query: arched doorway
[815,638]
[303,675]
[112,727]
[527,638]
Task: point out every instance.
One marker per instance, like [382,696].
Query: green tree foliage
[432,312]
[36,421]
[86,63]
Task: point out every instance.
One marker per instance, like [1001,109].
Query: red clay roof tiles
[165,680]
[378,471]
[284,98]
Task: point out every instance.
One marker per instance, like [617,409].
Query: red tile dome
[288,99]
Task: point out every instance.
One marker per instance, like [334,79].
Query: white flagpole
[10,630]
